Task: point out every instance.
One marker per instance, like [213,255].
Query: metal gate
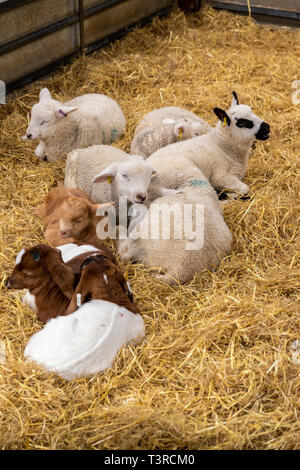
[37,36]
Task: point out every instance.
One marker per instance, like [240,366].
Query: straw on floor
[215,369]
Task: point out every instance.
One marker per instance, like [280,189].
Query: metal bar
[257,10]
[103,6]
[19,42]
[11,4]
[81,25]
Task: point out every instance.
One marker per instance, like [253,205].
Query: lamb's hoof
[244,197]
[45,159]
[222,196]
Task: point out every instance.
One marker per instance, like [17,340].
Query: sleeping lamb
[86,120]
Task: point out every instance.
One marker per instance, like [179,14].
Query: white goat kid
[222,155]
[86,120]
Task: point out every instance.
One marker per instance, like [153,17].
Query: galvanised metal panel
[37,36]
[37,54]
[119,16]
[32,16]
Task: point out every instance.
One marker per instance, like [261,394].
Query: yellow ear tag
[180,133]
[109,179]
[224,122]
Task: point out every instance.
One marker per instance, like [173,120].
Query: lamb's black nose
[265,128]
[29,136]
[140,198]
[263,132]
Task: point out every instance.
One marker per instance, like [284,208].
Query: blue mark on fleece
[198,183]
[113,133]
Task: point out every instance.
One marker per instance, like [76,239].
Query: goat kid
[104,319]
[70,217]
[49,276]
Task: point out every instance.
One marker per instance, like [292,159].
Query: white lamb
[196,237]
[106,173]
[86,120]
[222,155]
[167,113]
[169,131]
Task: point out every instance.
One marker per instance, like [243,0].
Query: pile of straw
[214,370]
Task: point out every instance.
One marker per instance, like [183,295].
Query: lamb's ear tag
[224,122]
[62,112]
[109,179]
[35,256]
[180,132]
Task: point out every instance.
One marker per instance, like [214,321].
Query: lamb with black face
[263,132]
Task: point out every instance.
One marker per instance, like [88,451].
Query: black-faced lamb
[222,155]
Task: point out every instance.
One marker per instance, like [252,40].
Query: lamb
[117,174]
[169,131]
[196,238]
[222,155]
[167,114]
[104,319]
[69,217]
[85,120]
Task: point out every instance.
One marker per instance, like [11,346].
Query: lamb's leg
[230,183]
[40,150]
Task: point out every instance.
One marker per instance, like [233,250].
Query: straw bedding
[215,368]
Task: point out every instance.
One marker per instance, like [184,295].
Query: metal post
[81,26]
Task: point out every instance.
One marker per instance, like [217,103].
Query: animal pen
[218,367]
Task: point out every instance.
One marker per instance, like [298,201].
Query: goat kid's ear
[45,94]
[62,274]
[235,100]
[223,116]
[81,293]
[40,210]
[106,175]
[63,111]
[100,209]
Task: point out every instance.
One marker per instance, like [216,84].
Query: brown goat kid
[101,279]
[69,217]
[50,281]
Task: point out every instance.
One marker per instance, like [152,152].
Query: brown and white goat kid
[50,276]
[105,319]
[70,217]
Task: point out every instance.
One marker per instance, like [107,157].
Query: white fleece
[86,341]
